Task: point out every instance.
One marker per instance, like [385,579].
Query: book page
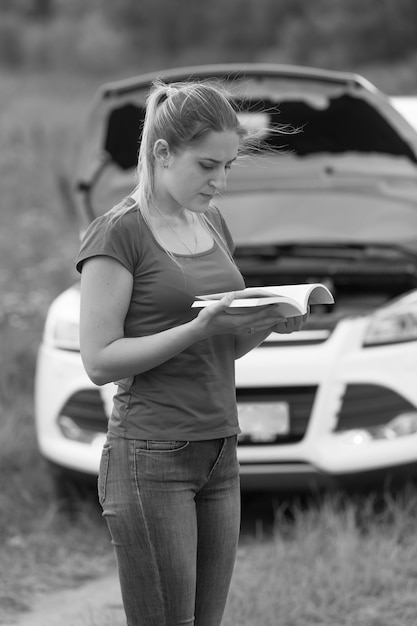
[303,293]
[249,292]
[306,293]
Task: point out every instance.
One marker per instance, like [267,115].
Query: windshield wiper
[261,251]
[341,251]
[389,251]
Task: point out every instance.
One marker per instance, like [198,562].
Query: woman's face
[194,175]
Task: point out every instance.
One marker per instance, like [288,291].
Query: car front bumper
[321,457]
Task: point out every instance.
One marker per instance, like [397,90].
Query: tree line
[331,33]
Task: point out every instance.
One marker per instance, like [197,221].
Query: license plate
[263,422]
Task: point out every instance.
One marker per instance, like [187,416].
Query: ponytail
[181,114]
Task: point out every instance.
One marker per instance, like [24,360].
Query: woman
[169,476]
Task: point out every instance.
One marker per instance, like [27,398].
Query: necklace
[178,236]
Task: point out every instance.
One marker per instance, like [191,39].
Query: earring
[164,165]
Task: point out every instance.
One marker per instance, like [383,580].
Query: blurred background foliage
[54,54]
[118,38]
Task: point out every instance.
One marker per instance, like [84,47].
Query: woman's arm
[106,290]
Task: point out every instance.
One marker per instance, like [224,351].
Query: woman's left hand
[290,325]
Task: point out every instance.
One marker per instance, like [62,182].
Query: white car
[407,105]
[331,405]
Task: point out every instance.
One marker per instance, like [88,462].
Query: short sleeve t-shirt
[192,395]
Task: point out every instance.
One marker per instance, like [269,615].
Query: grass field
[326,565]
[40,123]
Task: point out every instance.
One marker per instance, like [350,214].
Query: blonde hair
[181,114]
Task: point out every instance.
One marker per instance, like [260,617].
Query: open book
[293,299]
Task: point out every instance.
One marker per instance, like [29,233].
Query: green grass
[40,123]
[38,237]
[43,547]
[331,565]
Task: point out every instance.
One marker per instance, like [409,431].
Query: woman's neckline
[133,203]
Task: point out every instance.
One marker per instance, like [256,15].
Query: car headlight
[65,334]
[62,326]
[401,426]
[395,323]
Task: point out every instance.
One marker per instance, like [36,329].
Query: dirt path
[97,603]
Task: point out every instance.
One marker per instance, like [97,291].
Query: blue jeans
[173,511]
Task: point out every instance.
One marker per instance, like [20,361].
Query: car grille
[365,406]
[86,409]
[299,401]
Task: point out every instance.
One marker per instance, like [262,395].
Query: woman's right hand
[219,318]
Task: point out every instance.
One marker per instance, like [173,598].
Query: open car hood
[352,138]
